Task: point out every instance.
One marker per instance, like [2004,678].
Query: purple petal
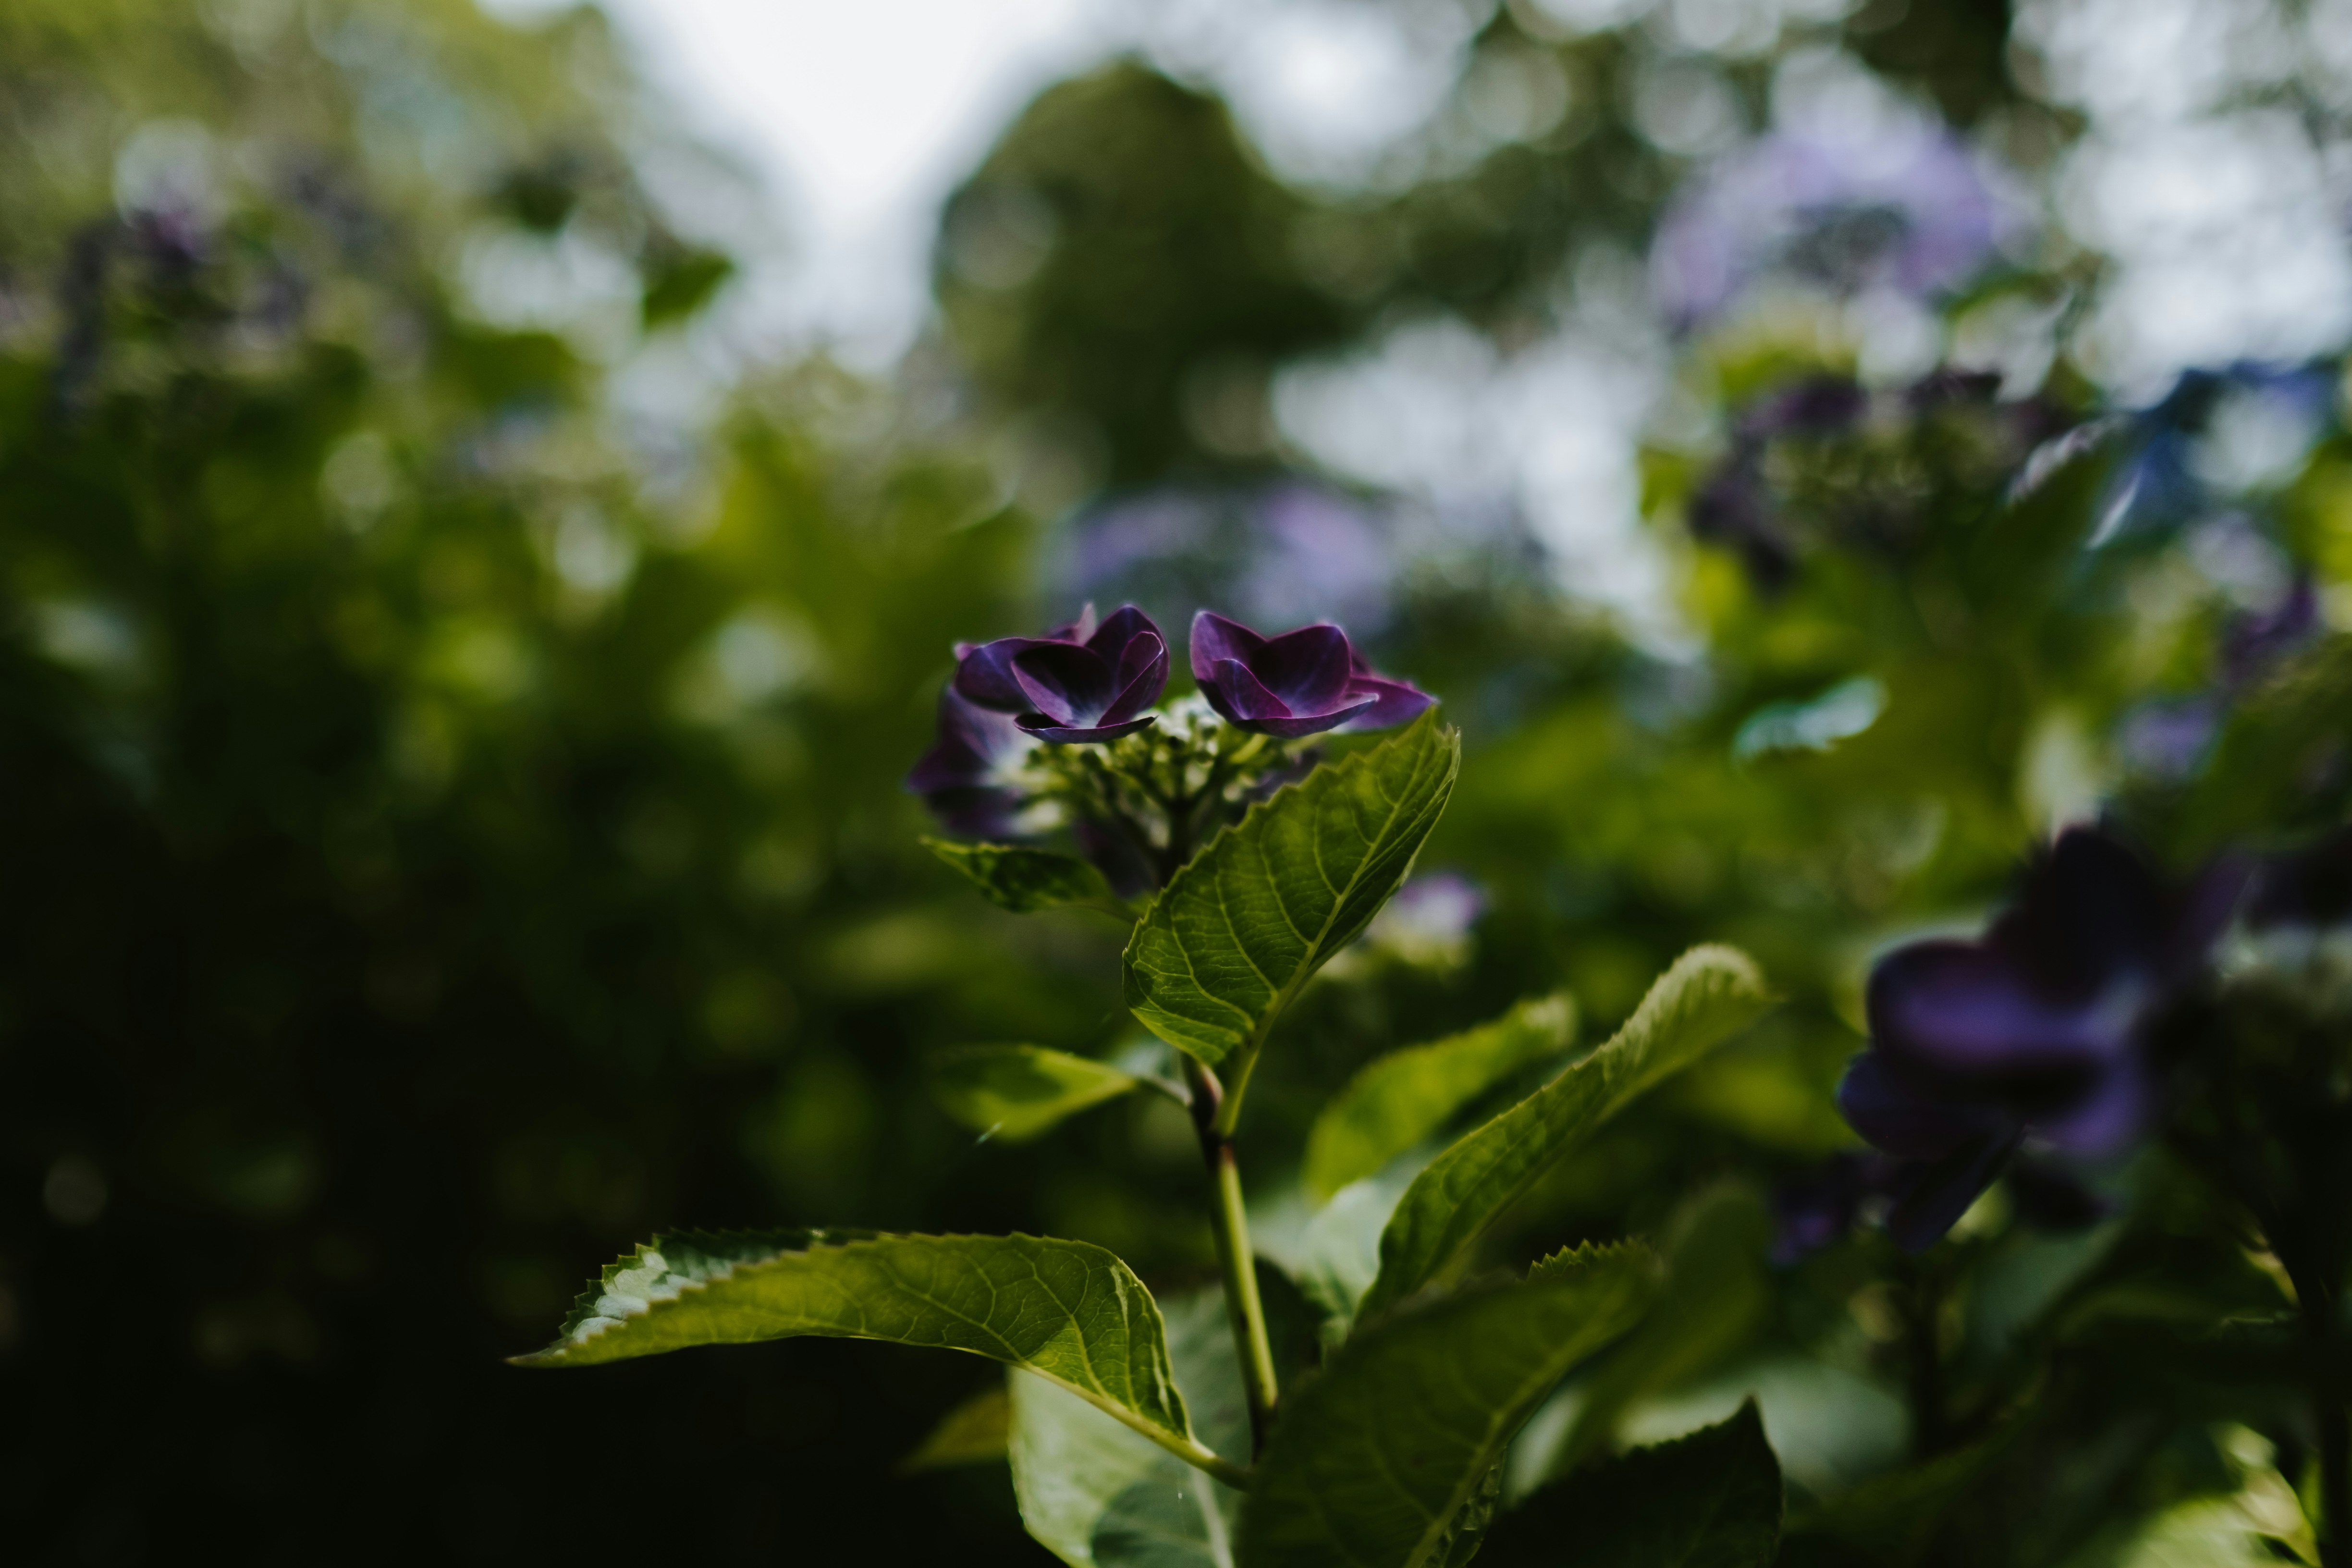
[1307,668]
[1394,702]
[1216,639]
[1240,696]
[1931,1199]
[984,672]
[973,743]
[1045,730]
[2105,1122]
[1143,677]
[1126,624]
[1067,683]
[1078,631]
[1902,1120]
[1952,1009]
[2090,912]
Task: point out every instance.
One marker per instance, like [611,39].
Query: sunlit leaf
[1226,945]
[973,1433]
[1373,1462]
[1708,1500]
[1067,1310]
[1709,995]
[1015,1092]
[1015,876]
[1405,1096]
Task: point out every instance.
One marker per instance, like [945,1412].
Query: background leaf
[1015,1092]
[1228,943]
[973,1433]
[1066,1310]
[1372,1461]
[1708,1500]
[1707,996]
[1024,881]
[1405,1096]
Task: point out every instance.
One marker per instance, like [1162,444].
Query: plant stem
[1229,1220]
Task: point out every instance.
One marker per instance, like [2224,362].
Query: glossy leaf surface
[1226,945]
[1707,996]
[1373,1461]
[1015,1092]
[1406,1095]
[1018,878]
[1708,1500]
[1066,1310]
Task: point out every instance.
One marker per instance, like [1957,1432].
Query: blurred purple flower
[2035,1033]
[2253,644]
[967,778]
[1077,682]
[1906,209]
[1302,682]
[1286,551]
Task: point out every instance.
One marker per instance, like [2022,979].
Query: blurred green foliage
[455,824]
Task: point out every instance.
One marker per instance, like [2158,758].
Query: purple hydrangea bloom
[1076,683]
[967,777]
[1302,682]
[1905,209]
[2036,1033]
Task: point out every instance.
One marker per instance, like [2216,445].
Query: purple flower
[967,776]
[1905,209]
[2037,1032]
[1077,682]
[1300,683]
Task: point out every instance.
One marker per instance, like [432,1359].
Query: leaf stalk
[1229,1222]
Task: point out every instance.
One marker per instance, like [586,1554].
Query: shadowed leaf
[1024,881]
[1708,1500]
[1709,995]
[1016,1093]
[1373,1461]
[973,1433]
[1405,1096]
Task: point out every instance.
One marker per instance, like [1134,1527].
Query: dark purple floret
[1302,682]
[2035,1033]
[1076,683]
[966,778]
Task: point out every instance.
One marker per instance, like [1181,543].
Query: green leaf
[1373,1461]
[1015,1092]
[973,1433]
[1717,1291]
[1709,995]
[1247,923]
[1098,1496]
[1067,1310]
[1708,1500]
[1404,1097]
[1024,881]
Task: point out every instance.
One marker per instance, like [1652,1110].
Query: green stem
[1229,1221]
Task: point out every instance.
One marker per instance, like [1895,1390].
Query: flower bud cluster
[1061,732]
